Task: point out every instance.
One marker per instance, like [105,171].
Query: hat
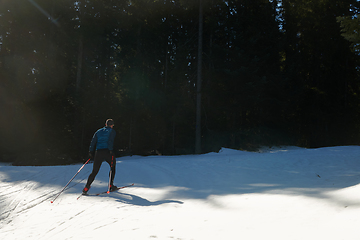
[109,122]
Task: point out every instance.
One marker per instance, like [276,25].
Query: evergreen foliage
[274,72]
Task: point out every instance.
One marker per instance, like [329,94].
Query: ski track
[23,196]
[169,188]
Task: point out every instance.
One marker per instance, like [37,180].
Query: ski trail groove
[17,200]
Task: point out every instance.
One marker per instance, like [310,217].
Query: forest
[177,76]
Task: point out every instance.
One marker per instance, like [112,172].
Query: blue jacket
[103,139]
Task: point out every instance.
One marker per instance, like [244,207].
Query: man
[103,145]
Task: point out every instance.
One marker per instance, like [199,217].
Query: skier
[102,143]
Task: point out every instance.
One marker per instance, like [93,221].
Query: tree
[198,83]
[238,73]
[321,68]
[351,30]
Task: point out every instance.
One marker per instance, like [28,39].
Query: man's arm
[93,143]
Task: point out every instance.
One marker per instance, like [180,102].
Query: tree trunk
[198,85]
[79,66]
[79,114]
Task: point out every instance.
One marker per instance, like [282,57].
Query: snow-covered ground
[286,193]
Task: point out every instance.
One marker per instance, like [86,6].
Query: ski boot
[85,190]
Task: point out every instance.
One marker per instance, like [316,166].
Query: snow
[283,193]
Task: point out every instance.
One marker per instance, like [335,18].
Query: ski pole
[70,180]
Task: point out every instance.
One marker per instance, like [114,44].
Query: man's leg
[96,167]
[112,163]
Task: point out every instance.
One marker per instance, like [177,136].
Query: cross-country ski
[97,194]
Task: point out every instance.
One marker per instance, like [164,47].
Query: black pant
[100,156]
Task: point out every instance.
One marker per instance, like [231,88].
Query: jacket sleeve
[111,140]
[93,142]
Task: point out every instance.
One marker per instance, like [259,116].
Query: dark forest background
[272,73]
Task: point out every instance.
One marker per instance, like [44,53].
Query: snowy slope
[288,193]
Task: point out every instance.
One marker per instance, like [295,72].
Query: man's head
[109,123]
